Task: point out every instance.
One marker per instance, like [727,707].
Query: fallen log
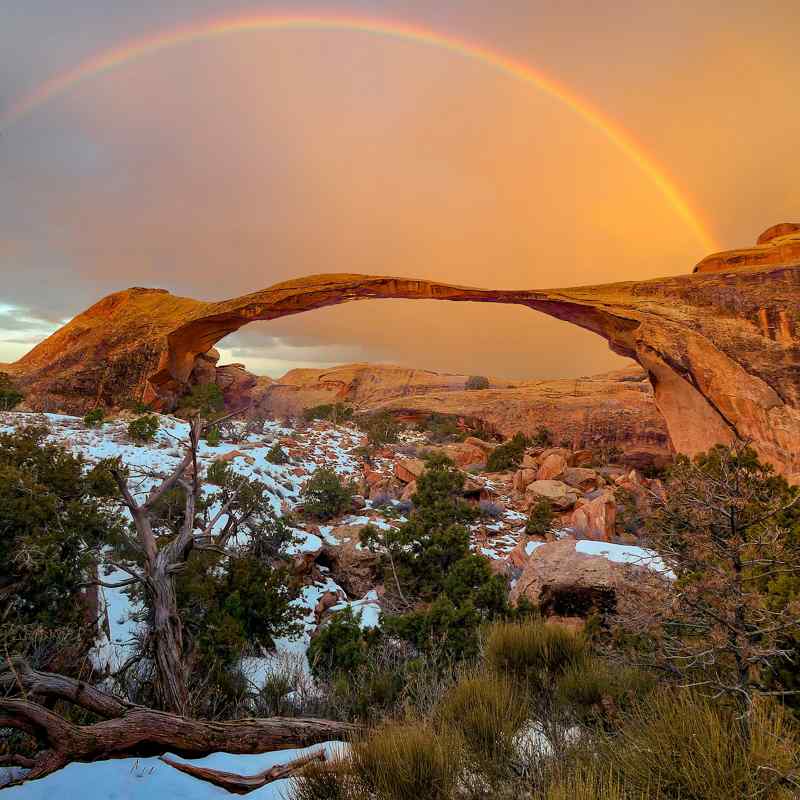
[142,731]
[244,784]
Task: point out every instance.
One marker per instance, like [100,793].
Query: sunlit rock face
[616,409]
[720,346]
[779,244]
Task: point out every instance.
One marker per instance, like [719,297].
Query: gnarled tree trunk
[142,731]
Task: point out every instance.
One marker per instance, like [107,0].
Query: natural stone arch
[720,346]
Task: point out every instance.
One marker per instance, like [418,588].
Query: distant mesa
[719,346]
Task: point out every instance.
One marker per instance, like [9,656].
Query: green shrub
[408,760]
[531,650]
[428,558]
[339,646]
[326,495]
[94,418]
[592,689]
[508,455]
[136,406]
[205,399]
[381,428]
[213,436]
[442,428]
[229,605]
[540,518]
[489,711]
[680,745]
[426,547]
[442,629]
[371,692]
[333,412]
[542,438]
[276,455]
[475,382]
[219,473]
[471,579]
[143,429]
[273,700]
[53,522]
[10,395]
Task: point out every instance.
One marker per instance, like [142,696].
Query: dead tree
[127,729]
[160,563]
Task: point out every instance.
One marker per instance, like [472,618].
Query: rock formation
[720,346]
[616,409]
[779,244]
[566,583]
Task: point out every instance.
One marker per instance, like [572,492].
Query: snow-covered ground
[152,779]
[318,445]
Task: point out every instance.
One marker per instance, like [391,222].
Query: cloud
[221,168]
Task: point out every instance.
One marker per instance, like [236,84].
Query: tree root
[244,784]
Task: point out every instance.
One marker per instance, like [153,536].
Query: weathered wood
[244,784]
[143,731]
[16,673]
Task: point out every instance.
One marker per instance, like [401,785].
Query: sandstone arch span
[720,346]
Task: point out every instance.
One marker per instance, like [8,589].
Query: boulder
[463,454]
[355,569]
[409,491]
[372,478]
[563,582]
[556,451]
[581,478]
[522,479]
[595,518]
[529,461]
[225,457]
[551,467]
[325,602]
[611,473]
[480,444]
[582,458]
[236,384]
[408,469]
[525,547]
[557,492]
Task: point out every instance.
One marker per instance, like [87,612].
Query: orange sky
[226,166]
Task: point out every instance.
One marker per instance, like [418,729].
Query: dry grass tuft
[489,711]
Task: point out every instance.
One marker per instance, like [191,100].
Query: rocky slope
[720,346]
[616,409]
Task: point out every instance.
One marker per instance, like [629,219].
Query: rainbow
[139,48]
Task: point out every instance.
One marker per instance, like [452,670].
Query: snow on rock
[625,554]
[291,651]
[366,610]
[531,546]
